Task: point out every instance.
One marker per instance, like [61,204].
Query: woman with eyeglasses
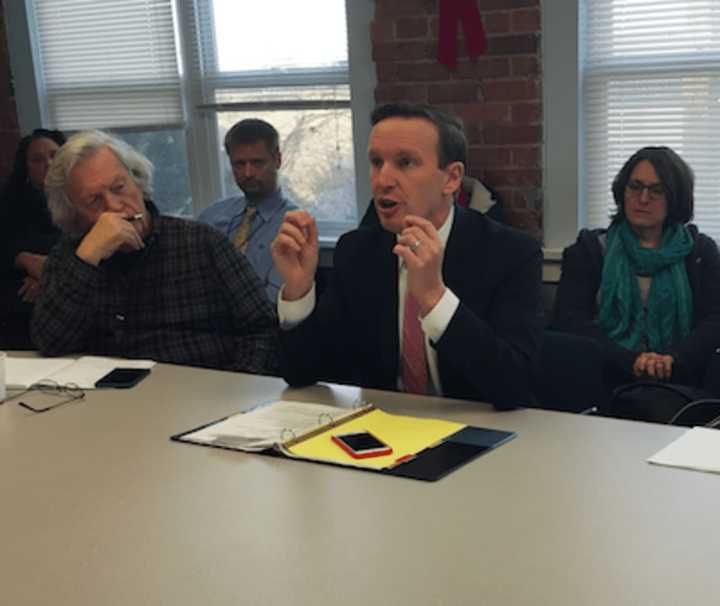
[26,234]
[647,289]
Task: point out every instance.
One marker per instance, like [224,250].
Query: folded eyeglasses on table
[48,388]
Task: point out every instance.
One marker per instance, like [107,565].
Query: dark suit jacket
[489,346]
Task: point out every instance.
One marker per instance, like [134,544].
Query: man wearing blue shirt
[251,221]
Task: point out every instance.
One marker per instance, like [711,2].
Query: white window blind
[107,63]
[651,76]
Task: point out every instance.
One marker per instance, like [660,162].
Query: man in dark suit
[434,299]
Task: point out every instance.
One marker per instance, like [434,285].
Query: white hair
[78,147]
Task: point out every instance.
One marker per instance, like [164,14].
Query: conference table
[98,506]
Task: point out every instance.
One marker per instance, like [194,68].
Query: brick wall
[499,96]
[9,129]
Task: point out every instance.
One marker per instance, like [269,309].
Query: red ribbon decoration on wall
[450,13]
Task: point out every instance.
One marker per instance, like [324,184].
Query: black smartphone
[123,377]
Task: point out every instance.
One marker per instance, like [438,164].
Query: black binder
[428,465]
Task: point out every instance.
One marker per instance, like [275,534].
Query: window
[171,76]
[107,64]
[651,76]
[114,65]
[294,76]
[317,170]
[166,149]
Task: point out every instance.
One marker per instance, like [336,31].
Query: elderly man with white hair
[126,281]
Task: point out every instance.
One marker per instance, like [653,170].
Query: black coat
[576,304]
[25,226]
[489,346]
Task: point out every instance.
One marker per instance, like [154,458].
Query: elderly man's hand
[422,251]
[111,232]
[295,253]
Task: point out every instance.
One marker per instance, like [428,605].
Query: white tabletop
[99,507]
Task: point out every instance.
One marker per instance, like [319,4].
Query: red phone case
[361,455]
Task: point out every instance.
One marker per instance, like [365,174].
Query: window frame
[562,165]
[679,71]
[200,126]
[564,157]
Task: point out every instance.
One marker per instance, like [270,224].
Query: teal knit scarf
[669,305]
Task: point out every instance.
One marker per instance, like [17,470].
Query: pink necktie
[414,363]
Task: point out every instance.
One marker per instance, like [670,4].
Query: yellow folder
[406,435]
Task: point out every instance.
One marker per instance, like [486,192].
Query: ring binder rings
[423,449]
[286,434]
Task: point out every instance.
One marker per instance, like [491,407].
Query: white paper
[86,371]
[263,427]
[83,372]
[698,448]
[22,372]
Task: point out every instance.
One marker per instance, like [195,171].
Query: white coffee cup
[3,356]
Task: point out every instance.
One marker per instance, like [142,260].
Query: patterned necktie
[414,362]
[241,236]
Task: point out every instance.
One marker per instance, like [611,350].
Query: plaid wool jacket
[187,298]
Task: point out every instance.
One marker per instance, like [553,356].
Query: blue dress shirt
[226,216]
